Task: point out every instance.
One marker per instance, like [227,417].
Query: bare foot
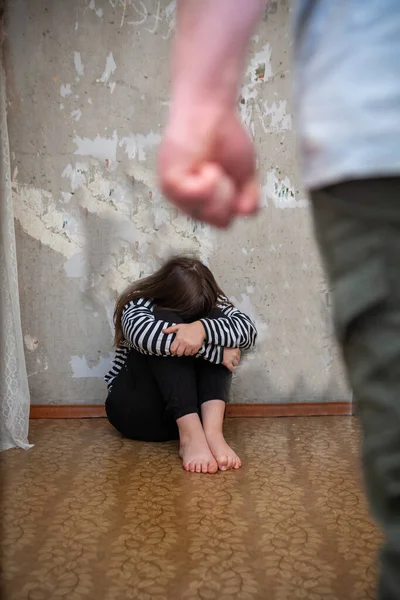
[196,456]
[194,450]
[224,455]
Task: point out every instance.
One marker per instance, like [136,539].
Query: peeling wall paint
[31,343]
[282,192]
[65,90]
[136,146]
[80,69]
[81,369]
[90,218]
[109,69]
[99,147]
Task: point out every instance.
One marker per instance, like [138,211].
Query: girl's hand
[231,358]
[188,340]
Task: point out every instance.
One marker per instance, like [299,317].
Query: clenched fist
[231,358]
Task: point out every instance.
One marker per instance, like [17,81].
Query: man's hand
[189,338]
[207,162]
[231,358]
[207,166]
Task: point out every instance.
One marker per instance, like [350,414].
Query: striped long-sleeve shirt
[143,332]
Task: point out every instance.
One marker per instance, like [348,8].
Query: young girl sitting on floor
[178,341]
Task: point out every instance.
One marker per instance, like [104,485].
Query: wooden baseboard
[304,409]
[67,411]
[301,409]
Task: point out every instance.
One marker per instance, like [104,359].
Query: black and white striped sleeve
[143,331]
[234,330]
[212,353]
[118,363]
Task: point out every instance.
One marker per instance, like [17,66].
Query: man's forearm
[209,50]
[206,162]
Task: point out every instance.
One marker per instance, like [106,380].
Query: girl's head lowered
[182,284]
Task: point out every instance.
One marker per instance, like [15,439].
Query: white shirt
[347,89]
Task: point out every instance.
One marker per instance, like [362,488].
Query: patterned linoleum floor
[89,515]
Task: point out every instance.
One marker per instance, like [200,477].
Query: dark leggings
[151,392]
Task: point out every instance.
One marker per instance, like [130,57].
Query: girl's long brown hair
[182,284]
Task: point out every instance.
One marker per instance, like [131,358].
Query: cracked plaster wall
[88,94]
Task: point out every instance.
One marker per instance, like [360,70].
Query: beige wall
[88,94]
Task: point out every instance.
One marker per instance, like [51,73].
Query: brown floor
[89,515]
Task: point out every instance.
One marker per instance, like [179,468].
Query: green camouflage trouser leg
[358,230]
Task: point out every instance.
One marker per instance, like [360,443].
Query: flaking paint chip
[260,71]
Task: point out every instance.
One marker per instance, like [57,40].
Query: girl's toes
[212,467]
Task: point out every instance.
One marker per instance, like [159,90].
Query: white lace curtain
[14,391]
